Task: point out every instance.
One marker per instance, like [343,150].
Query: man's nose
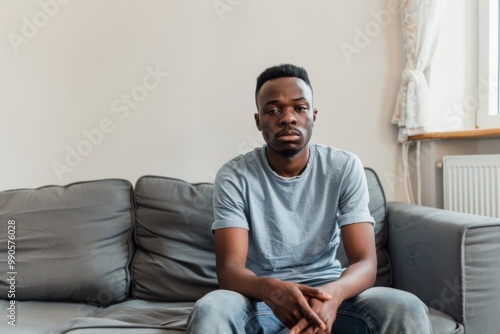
[288,117]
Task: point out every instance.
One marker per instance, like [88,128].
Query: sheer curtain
[420,21]
[420,25]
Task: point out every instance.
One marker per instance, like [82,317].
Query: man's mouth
[288,135]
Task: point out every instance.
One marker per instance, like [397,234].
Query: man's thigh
[382,310]
[223,311]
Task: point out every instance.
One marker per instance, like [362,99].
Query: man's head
[285,114]
[281,71]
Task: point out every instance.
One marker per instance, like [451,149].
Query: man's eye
[272,111]
[301,108]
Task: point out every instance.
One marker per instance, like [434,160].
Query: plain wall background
[72,63]
[64,79]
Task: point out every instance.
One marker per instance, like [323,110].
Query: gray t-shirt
[293,223]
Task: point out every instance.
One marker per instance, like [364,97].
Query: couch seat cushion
[132,316]
[42,317]
[443,323]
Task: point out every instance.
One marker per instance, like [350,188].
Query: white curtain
[420,25]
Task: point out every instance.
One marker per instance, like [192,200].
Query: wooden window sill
[466,134]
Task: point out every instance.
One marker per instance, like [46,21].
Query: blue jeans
[376,310]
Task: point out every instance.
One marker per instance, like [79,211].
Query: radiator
[472,184]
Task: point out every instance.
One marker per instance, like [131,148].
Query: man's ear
[315,112]
[257,121]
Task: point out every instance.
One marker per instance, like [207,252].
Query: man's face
[285,115]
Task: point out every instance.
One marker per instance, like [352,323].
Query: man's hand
[359,244]
[290,303]
[326,311]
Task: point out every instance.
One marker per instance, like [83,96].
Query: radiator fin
[472,184]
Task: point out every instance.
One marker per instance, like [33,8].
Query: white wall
[67,73]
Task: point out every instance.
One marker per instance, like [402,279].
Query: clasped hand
[301,308]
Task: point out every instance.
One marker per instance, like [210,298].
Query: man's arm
[286,299]
[359,245]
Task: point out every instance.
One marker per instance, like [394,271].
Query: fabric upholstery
[132,316]
[175,257]
[443,323]
[72,242]
[449,260]
[43,317]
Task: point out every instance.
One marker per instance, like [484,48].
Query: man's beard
[287,153]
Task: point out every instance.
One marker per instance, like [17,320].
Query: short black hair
[281,71]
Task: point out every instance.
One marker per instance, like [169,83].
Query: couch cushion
[71,242]
[132,317]
[175,257]
[378,211]
[42,317]
[443,323]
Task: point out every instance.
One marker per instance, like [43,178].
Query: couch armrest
[450,260]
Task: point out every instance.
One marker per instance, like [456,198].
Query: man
[279,211]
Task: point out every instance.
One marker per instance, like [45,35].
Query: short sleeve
[228,199]
[354,196]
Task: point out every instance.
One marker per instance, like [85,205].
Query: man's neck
[288,166]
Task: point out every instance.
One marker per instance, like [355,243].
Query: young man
[279,211]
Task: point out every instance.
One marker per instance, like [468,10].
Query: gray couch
[106,257]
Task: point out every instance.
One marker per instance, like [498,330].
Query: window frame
[488,114]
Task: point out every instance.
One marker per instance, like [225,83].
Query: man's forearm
[356,278]
[245,282]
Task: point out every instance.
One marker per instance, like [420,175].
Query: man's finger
[311,316]
[314,292]
[300,326]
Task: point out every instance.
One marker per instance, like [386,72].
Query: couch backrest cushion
[175,259]
[378,211]
[71,242]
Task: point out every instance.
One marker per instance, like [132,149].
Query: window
[488,115]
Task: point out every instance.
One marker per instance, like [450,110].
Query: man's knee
[217,302]
[402,308]
[219,311]
[395,299]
